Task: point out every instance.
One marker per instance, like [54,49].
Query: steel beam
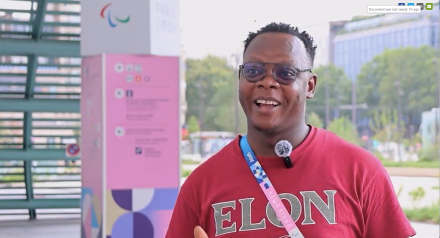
[50,48]
[40,203]
[30,76]
[34,154]
[39,105]
[27,164]
[37,27]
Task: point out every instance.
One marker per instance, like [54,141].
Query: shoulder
[214,168]
[223,158]
[347,160]
[345,152]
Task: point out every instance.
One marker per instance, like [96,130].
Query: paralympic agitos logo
[111,19]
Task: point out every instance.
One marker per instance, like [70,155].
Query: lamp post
[201,114]
[437,96]
[399,116]
[236,57]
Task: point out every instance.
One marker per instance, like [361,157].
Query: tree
[215,80]
[339,91]
[223,116]
[385,126]
[344,128]
[402,79]
[314,120]
[193,124]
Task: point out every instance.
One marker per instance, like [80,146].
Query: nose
[268,82]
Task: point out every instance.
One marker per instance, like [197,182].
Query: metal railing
[38,179]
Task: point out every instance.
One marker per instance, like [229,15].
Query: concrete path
[70,228]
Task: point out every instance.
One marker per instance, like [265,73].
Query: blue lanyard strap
[268,189]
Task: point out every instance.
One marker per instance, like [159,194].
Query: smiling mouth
[266,103]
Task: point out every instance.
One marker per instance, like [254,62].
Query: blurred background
[378,87]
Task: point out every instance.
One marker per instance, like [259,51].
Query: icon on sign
[97,142]
[138,150]
[410,4]
[112,19]
[429,6]
[422,6]
[119,93]
[72,150]
[97,127]
[129,78]
[129,67]
[146,78]
[138,78]
[129,93]
[137,68]
[86,71]
[401,4]
[119,67]
[119,131]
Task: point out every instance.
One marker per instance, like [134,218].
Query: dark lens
[285,74]
[253,71]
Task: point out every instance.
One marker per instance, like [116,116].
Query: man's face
[270,49]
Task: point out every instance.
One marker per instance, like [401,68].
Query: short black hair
[285,28]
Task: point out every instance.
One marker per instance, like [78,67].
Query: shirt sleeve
[184,218]
[383,215]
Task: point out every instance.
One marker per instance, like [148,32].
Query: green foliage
[314,120]
[339,91]
[216,81]
[415,139]
[405,74]
[185,173]
[384,124]
[193,124]
[410,164]
[363,17]
[189,162]
[400,190]
[430,153]
[379,155]
[417,195]
[7,179]
[424,214]
[344,129]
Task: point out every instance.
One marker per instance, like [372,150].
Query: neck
[263,143]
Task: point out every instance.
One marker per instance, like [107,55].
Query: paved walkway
[62,228]
[69,228]
[413,172]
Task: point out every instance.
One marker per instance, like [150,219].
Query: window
[405,38]
[425,35]
[434,36]
[399,39]
[411,37]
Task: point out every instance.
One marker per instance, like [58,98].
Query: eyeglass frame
[297,71]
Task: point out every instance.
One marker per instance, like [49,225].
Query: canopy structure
[39,108]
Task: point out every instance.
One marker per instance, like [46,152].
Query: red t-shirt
[335,189]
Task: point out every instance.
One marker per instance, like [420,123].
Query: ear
[311,86]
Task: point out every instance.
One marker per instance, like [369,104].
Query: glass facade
[365,39]
[359,48]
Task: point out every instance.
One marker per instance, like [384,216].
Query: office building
[323,35]
[358,42]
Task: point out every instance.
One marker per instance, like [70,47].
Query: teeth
[267,102]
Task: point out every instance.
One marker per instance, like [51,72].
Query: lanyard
[268,189]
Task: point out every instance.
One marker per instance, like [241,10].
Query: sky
[219,26]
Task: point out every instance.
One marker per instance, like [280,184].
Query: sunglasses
[283,74]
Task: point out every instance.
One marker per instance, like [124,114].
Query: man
[334,189]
